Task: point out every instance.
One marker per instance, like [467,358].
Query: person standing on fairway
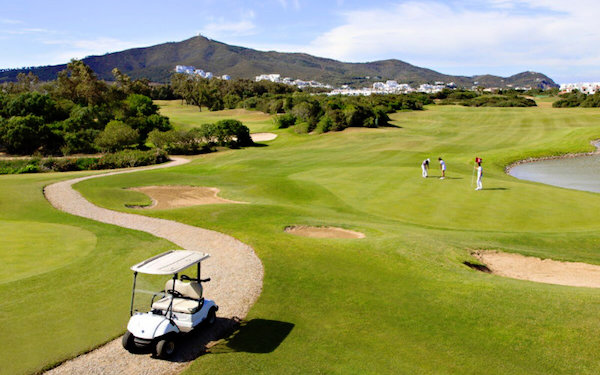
[443,168]
[425,167]
[479,169]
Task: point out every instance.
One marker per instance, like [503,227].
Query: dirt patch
[165,197]
[263,137]
[322,232]
[547,271]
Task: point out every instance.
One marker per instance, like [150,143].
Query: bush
[499,101]
[131,158]
[324,125]
[117,136]
[232,133]
[302,128]
[23,135]
[284,121]
[180,142]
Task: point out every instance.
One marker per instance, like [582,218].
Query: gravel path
[234,268]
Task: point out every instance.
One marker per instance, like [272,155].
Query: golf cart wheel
[128,342]
[211,317]
[165,348]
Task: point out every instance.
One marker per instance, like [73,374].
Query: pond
[579,173]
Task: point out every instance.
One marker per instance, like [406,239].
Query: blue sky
[504,37]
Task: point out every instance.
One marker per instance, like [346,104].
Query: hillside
[157,63]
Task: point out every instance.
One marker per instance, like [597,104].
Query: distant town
[387,87]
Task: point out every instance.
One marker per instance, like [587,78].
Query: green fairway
[188,116]
[400,300]
[64,280]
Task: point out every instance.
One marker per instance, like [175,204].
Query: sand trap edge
[547,271]
[322,232]
[160,203]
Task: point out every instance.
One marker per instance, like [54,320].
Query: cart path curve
[234,268]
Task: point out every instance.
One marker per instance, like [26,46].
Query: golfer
[425,167]
[479,169]
[443,168]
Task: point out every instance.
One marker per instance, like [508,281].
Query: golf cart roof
[170,262]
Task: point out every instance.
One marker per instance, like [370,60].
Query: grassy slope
[188,116]
[400,301]
[64,280]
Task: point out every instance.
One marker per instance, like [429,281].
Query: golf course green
[399,300]
[63,279]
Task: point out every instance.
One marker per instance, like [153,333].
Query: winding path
[234,268]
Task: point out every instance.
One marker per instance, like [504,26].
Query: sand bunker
[164,197]
[539,270]
[322,232]
[263,137]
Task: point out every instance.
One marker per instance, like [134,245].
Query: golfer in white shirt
[425,167]
[479,169]
[443,168]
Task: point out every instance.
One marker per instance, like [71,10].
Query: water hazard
[579,173]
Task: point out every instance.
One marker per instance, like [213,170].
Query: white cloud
[224,27]
[81,48]
[23,31]
[294,3]
[10,21]
[520,34]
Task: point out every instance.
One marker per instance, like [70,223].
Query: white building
[585,87]
[184,69]
[268,77]
[191,70]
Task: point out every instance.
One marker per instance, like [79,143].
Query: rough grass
[401,300]
[64,281]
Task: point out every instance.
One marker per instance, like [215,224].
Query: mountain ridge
[157,63]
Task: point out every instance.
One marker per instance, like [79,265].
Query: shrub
[180,142]
[284,121]
[232,133]
[116,136]
[23,135]
[302,128]
[324,125]
[131,158]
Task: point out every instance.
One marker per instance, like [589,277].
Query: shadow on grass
[259,145]
[254,336]
[439,177]
[477,267]
[498,188]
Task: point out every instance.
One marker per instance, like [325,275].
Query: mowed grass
[64,280]
[185,117]
[400,300]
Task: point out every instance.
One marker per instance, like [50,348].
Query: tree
[33,103]
[233,133]
[23,135]
[80,84]
[117,136]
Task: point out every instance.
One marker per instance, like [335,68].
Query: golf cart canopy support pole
[132,293]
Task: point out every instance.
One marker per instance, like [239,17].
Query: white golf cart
[179,308]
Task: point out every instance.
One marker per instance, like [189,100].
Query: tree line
[79,113]
[294,107]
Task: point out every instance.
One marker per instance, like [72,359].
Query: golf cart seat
[192,302]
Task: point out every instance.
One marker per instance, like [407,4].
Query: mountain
[158,62]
